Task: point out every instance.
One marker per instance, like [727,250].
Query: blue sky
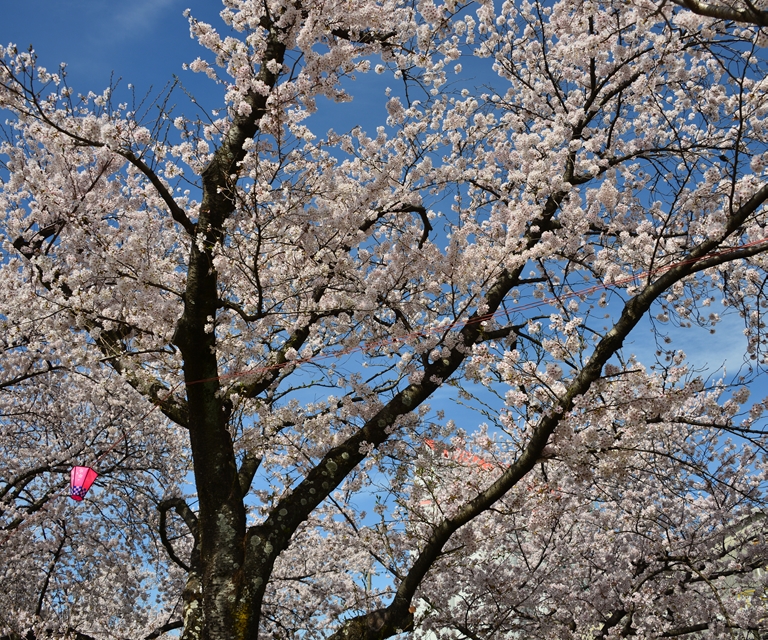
[143,41]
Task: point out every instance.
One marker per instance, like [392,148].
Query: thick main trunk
[218,602]
[213,595]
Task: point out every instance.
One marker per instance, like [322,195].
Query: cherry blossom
[267,336]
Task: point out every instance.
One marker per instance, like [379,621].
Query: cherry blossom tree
[582,548]
[240,320]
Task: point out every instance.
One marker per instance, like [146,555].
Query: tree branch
[183,510]
[750,14]
[247,471]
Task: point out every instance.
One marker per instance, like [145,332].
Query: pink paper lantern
[81,479]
